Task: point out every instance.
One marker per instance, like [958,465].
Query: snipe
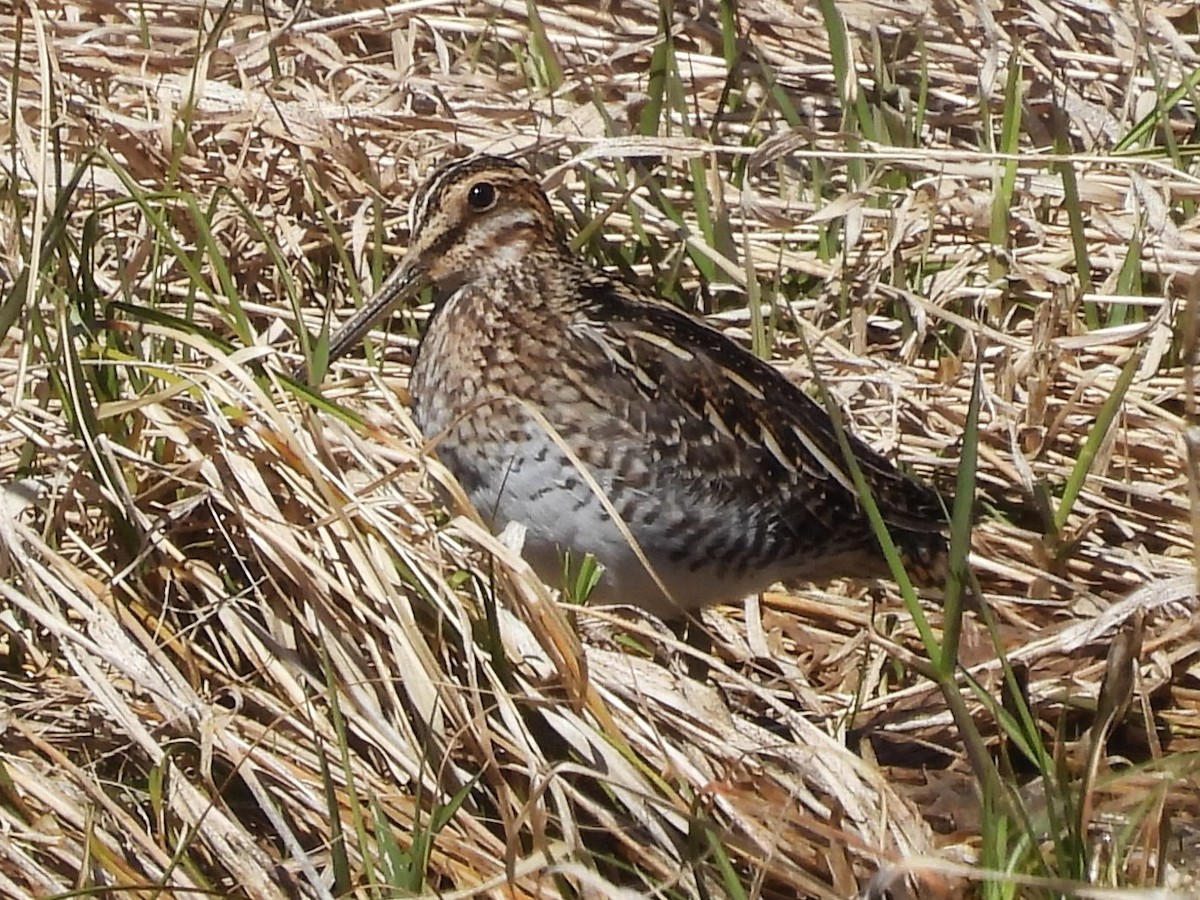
[565,399]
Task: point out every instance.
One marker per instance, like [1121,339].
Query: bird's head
[472,219]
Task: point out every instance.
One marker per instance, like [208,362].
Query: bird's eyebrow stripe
[431,195]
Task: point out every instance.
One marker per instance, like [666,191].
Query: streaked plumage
[562,396]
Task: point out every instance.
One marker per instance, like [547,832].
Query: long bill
[404,282]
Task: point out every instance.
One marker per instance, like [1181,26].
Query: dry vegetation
[247,650]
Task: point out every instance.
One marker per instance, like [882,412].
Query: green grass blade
[1074,207]
[543,49]
[960,528]
[1095,439]
[856,110]
[1139,134]
[661,66]
[1010,139]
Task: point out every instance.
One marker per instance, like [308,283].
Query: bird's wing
[747,430]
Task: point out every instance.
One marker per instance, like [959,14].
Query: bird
[611,423]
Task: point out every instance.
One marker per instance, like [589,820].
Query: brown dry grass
[244,646]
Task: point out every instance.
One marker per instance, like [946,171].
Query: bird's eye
[482,196]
